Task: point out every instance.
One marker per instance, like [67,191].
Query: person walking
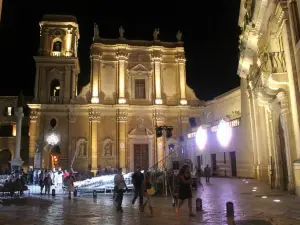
[71,187]
[148,192]
[137,181]
[120,185]
[185,190]
[207,173]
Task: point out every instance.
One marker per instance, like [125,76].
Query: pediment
[55,71]
[139,68]
[140,132]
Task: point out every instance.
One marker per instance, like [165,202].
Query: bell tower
[57,66]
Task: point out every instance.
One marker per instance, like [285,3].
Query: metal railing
[54,99]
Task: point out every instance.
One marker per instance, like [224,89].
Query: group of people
[143,188]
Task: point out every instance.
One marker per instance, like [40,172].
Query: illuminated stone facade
[134,86]
[270,70]
[231,160]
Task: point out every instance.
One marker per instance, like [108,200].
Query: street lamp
[52,139]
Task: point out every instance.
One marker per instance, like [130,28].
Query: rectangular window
[9,111]
[14,130]
[140,90]
[6,130]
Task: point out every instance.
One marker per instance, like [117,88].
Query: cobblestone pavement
[250,208]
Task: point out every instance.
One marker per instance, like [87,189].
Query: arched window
[55,88]
[57,45]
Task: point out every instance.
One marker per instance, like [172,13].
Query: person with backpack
[207,173]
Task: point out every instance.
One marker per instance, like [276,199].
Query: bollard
[198,204]
[94,194]
[75,193]
[53,192]
[229,209]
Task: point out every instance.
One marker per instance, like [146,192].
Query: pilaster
[122,140]
[94,118]
[33,137]
[122,56]
[95,78]
[157,58]
[288,134]
[73,78]
[36,84]
[180,58]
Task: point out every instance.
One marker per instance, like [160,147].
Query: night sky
[209,28]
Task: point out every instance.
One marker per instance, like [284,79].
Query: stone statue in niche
[96,30]
[82,150]
[57,46]
[108,149]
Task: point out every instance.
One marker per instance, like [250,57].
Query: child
[147,186]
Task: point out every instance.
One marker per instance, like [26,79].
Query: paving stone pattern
[250,208]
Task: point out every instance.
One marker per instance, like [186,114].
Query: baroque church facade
[269,68]
[134,87]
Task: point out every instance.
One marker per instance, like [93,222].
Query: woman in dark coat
[185,190]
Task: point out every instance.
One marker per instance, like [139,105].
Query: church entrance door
[141,156]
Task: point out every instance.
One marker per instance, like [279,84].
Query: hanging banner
[37,160]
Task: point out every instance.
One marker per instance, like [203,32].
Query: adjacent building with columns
[134,86]
[269,69]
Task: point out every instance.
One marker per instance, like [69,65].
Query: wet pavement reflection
[258,206]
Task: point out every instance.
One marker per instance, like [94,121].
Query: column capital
[94,115]
[122,116]
[156,55]
[158,115]
[33,115]
[122,54]
[96,56]
[180,57]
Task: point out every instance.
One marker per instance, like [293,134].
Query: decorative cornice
[94,115]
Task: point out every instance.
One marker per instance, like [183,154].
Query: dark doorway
[141,156]
[198,162]
[283,162]
[233,164]
[5,158]
[213,164]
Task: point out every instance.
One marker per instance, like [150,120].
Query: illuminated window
[9,111]
[55,88]
[14,130]
[140,90]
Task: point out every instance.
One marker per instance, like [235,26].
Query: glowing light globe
[224,133]
[201,138]
[52,139]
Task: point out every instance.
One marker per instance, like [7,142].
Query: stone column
[274,146]
[156,57]
[73,78]
[94,117]
[67,85]
[68,42]
[46,44]
[36,84]
[95,78]
[288,135]
[17,162]
[122,134]
[34,136]
[122,63]
[294,94]
[182,77]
